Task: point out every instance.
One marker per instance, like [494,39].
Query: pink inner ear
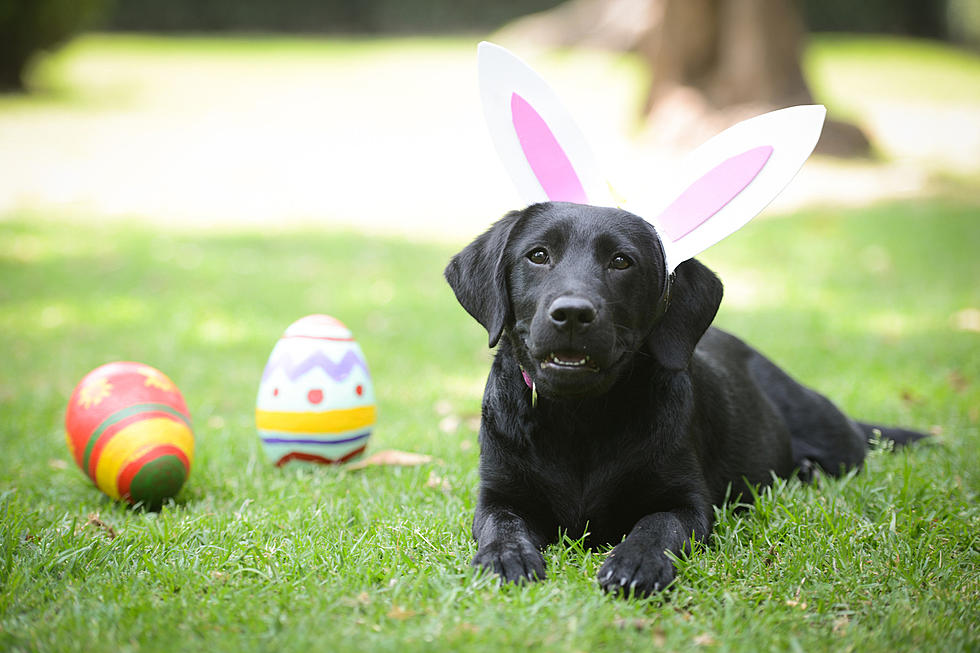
[545,155]
[712,192]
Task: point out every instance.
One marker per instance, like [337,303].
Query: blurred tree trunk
[730,51]
[28,27]
[607,24]
[712,62]
[715,62]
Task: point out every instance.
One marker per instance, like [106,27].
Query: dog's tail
[899,436]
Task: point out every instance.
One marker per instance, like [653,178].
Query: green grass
[250,557]
[890,68]
[100,72]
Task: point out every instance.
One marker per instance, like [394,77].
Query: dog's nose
[570,312]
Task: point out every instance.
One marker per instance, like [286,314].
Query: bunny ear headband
[720,186]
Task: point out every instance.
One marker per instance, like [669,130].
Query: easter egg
[128,428]
[315,400]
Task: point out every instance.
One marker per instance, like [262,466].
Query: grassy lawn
[865,305]
[878,307]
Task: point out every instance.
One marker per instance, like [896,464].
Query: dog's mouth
[569,360]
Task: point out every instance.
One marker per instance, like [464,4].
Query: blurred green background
[366,113]
[934,19]
[28,26]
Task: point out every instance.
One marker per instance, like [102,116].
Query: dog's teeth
[571,363]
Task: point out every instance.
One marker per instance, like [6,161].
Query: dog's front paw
[514,562]
[634,570]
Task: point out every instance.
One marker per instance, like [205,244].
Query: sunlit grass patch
[252,556]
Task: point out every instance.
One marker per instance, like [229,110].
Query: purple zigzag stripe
[338,371]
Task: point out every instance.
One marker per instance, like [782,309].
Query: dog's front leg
[506,544]
[639,564]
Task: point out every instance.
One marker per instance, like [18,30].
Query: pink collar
[530,385]
[527,379]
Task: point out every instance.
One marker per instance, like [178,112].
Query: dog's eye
[620,262]
[538,256]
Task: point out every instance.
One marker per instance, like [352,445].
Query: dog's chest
[593,491]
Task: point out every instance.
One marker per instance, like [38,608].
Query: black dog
[612,409]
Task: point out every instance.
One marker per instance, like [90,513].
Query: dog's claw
[513,562]
[635,571]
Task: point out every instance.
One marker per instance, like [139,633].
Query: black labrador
[613,408]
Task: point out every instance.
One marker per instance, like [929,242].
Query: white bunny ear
[537,140]
[731,178]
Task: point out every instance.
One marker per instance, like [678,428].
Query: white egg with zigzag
[316,401]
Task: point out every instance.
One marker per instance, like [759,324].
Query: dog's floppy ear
[478,277]
[694,299]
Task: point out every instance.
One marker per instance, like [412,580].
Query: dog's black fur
[641,417]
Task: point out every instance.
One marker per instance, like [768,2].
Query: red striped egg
[129,430]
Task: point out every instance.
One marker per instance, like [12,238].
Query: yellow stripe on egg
[330,421]
[134,440]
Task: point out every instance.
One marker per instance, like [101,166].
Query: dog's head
[580,290]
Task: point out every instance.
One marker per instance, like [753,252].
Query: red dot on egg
[275,392]
[315,396]
[359,389]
